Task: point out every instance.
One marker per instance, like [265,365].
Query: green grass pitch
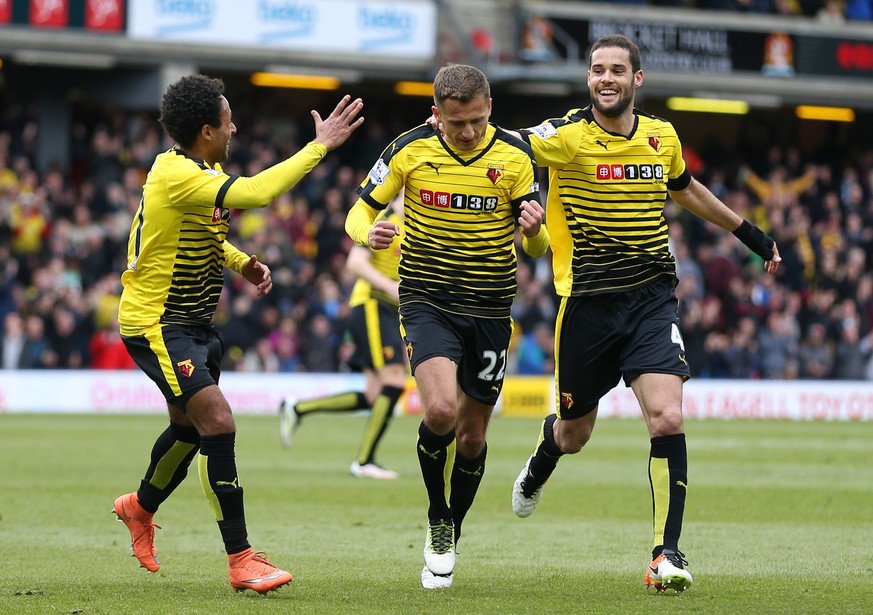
[779,520]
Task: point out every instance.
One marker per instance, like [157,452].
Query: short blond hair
[460,82]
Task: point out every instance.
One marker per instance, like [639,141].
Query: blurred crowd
[63,245]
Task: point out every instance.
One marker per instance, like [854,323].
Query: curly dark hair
[188,105]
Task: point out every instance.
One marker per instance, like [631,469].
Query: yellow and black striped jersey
[385,261]
[461,210]
[605,209]
[177,250]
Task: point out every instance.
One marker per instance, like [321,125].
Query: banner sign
[5,11]
[391,28]
[49,13]
[104,15]
[722,51]
[714,399]
[834,57]
[131,391]
[90,15]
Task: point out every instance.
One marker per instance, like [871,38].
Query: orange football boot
[250,570]
[142,530]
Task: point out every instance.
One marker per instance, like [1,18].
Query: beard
[614,111]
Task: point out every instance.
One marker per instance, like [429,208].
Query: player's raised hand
[382,234]
[531,218]
[339,125]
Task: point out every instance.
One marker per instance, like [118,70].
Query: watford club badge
[186,367]
[655,142]
[566,400]
[494,173]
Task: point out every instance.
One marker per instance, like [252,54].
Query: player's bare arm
[697,199]
[382,233]
[340,124]
[359,262]
[258,274]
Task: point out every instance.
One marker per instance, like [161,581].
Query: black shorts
[180,359]
[375,330]
[602,338]
[477,345]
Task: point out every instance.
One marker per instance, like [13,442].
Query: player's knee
[440,416]
[571,436]
[470,444]
[666,423]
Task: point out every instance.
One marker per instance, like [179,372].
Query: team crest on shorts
[566,400]
[186,367]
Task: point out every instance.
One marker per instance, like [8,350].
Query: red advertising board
[104,15]
[49,13]
[5,11]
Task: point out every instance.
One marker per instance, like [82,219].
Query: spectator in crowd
[851,352]
[742,353]
[67,338]
[700,317]
[778,346]
[285,341]
[535,304]
[319,344]
[831,13]
[863,297]
[14,340]
[535,354]
[37,352]
[10,284]
[107,351]
[815,356]
[536,40]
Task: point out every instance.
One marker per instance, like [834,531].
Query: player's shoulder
[512,140]
[575,116]
[573,120]
[416,135]
[177,162]
[650,120]
[653,125]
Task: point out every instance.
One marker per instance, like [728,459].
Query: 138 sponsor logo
[631,172]
[447,200]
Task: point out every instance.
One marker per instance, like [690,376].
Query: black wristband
[757,240]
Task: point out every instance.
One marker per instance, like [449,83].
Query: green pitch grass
[779,520]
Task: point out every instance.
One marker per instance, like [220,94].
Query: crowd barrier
[70,391]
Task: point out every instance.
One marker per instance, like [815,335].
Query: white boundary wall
[72,391]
